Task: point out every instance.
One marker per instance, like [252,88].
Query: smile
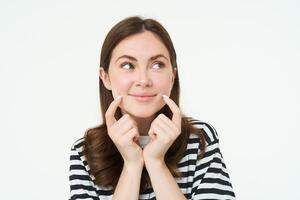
[143,98]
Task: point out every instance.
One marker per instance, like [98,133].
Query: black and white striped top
[206,178]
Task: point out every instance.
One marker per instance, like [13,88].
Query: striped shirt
[206,178]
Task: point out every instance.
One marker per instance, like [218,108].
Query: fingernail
[165,96]
[118,97]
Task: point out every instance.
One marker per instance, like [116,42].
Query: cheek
[120,85]
[163,84]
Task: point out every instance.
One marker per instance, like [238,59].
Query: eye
[161,65]
[126,64]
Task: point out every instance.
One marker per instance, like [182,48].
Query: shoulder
[78,145]
[78,159]
[209,131]
[194,146]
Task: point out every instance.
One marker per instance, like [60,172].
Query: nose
[143,79]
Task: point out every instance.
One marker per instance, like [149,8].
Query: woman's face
[140,66]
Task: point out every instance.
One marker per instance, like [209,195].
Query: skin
[163,132]
[139,118]
[140,76]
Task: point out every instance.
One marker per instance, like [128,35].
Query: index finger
[176,118]
[110,113]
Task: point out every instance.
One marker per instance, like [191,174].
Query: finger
[121,126]
[130,136]
[124,124]
[159,131]
[176,118]
[126,118]
[120,123]
[129,122]
[151,133]
[110,113]
[123,119]
[170,125]
[136,139]
[161,134]
[163,125]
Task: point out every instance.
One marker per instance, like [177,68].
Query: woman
[146,148]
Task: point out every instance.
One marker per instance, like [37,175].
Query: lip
[143,95]
[143,98]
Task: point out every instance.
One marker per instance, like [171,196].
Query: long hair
[101,154]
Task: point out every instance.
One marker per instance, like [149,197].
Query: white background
[238,66]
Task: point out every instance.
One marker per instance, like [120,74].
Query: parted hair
[104,159]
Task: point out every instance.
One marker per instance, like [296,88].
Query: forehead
[140,45]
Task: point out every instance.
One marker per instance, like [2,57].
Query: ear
[105,78]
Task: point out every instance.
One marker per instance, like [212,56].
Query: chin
[141,114]
[143,111]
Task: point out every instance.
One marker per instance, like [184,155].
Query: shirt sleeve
[81,184]
[211,179]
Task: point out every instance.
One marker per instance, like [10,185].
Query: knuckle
[132,122]
[112,137]
[171,137]
[176,112]
[124,116]
[174,137]
[108,114]
[178,131]
[134,130]
[121,142]
[166,140]
[111,134]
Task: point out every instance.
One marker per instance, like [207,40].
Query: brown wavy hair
[102,156]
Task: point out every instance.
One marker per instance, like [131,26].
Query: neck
[144,125]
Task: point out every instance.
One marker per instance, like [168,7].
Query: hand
[163,132]
[124,134]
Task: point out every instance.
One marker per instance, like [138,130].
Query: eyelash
[125,63]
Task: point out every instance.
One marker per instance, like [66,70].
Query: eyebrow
[134,59]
